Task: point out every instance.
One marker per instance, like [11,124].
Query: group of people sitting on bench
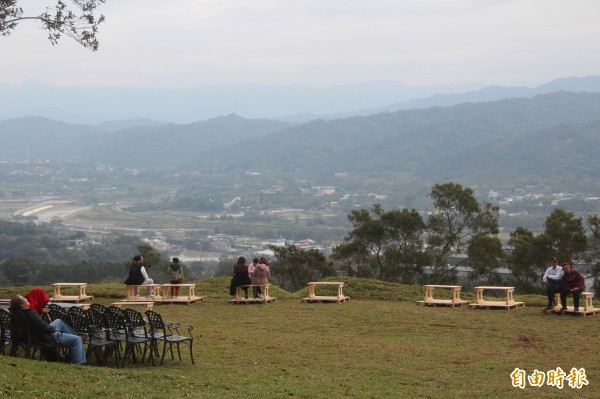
[255,274]
[139,276]
[564,280]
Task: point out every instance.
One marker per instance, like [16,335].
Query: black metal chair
[79,323]
[58,313]
[136,319]
[99,307]
[95,317]
[168,333]
[76,309]
[115,309]
[124,332]
[102,346]
[54,306]
[4,329]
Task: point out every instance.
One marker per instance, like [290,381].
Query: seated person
[572,283]
[138,275]
[38,299]
[553,280]
[56,332]
[240,277]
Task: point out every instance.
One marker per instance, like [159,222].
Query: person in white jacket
[553,280]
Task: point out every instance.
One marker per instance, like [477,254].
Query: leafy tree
[457,218]
[150,255]
[593,222]
[77,20]
[563,237]
[384,245]
[528,259]
[293,268]
[565,234]
[366,243]
[485,257]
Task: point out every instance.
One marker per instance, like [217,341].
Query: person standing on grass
[262,273]
[572,283]
[176,276]
[139,276]
[552,278]
[56,332]
[251,268]
[240,277]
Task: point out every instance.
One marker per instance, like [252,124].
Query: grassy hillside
[365,348]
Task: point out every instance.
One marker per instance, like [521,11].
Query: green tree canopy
[593,222]
[564,237]
[565,234]
[456,220]
[384,245]
[528,260]
[293,268]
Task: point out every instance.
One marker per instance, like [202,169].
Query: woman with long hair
[261,273]
[240,277]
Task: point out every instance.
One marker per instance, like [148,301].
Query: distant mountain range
[296,104]
[549,140]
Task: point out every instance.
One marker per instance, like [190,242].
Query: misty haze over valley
[501,141]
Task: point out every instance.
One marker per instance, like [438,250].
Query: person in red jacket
[572,283]
[38,299]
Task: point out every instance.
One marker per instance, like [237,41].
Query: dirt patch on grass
[528,341]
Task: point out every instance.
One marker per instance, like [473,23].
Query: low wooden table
[189,298]
[138,298]
[508,303]
[430,301]
[587,310]
[59,297]
[241,299]
[312,298]
[148,305]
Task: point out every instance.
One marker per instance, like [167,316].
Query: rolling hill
[548,139]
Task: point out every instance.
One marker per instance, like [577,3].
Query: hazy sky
[182,43]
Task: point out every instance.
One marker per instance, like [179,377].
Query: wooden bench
[587,310]
[241,299]
[189,298]
[131,296]
[149,305]
[508,303]
[312,298]
[59,297]
[430,301]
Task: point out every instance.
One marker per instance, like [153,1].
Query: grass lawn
[378,345]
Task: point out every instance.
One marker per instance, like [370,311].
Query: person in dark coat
[572,283]
[139,276]
[240,277]
[56,332]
